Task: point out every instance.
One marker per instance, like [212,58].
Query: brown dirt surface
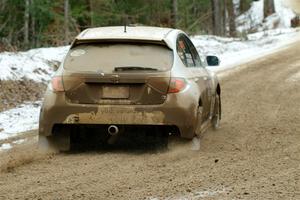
[13,93]
[254,155]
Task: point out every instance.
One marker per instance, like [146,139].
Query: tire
[217,113]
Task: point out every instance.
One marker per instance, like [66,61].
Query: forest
[26,24]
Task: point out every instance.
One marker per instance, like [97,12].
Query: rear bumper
[179,111]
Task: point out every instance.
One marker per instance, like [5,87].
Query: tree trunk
[231,15]
[223,17]
[244,6]
[215,16]
[26,24]
[66,21]
[174,13]
[269,7]
[89,7]
[219,17]
[32,26]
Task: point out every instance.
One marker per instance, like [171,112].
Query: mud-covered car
[114,79]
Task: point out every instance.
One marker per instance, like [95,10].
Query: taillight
[57,84]
[177,85]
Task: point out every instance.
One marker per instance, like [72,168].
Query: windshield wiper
[127,68]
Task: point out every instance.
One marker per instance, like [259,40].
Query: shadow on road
[129,142]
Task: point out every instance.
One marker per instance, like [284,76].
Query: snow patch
[235,51]
[5,146]
[285,13]
[253,19]
[36,64]
[17,120]
[20,141]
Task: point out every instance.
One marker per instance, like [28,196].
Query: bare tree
[174,13]
[223,16]
[66,20]
[89,7]
[269,7]
[32,26]
[231,16]
[26,24]
[3,6]
[243,6]
[219,17]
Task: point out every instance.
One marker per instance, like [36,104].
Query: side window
[184,52]
[194,53]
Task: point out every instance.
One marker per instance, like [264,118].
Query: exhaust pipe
[113,130]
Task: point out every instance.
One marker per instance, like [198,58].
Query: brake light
[177,85]
[57,84]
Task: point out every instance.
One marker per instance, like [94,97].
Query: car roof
[132,32]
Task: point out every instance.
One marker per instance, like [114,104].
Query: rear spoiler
[77,42]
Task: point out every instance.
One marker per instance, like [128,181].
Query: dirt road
[254,155]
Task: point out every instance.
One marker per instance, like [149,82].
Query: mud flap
[55,143]
[199,122]
[217,113]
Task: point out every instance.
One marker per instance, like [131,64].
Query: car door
[199,74]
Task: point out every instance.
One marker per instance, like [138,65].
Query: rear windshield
[107,57]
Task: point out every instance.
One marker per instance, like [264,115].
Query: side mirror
[212,60]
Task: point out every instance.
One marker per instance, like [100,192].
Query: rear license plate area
[115,92]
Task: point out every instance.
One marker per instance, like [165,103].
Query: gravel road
[254,155]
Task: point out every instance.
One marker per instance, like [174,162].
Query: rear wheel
[217,113]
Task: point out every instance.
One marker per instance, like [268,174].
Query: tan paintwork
[124,115]
[142,98]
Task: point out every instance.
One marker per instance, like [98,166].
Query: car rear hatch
[117,73]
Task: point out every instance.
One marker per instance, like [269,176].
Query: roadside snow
[17,120]
[253,19]
[35,64]
[5,146]
[235,51]
[10,145]
[20,141]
